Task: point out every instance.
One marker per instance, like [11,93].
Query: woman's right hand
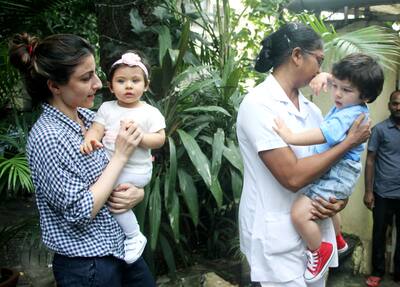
[360,131]
[124,197]
[129,137]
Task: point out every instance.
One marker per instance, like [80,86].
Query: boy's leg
[342,245]
[320,254]
[336,223]
[302,221]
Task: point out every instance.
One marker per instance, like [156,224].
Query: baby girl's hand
[137,127]
[90,145]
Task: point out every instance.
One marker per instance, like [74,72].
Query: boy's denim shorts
[338,182]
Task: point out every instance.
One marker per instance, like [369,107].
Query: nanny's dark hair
[278,46]
[53,58]
[362,71]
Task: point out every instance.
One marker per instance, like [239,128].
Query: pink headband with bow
[132,59]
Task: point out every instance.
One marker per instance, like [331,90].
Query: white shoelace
[312,260]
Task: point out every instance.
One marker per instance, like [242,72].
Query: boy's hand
[282,130]
[90,145]
[320,83]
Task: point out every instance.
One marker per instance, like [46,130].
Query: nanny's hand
[129,137]
[360,131]
[124,197]
[323,209]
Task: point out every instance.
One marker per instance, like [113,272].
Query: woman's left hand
[323,209]
[124,197]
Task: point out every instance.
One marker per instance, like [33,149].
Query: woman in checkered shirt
[72,189]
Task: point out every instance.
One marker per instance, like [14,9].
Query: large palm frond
[380,42]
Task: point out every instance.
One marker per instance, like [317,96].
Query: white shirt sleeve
[156,121]
[100,116]
[256,122]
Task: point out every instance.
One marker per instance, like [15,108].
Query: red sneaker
[318,262]
[342,245]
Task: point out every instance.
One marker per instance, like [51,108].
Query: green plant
[197,174]
[373,40]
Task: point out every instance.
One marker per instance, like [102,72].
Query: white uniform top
[268,238]
[149,119]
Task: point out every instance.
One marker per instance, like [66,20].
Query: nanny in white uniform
[275,172]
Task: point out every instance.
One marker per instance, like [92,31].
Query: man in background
[382,188]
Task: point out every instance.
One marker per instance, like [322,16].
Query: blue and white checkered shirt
[62,177]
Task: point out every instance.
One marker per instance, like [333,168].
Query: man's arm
[369,198]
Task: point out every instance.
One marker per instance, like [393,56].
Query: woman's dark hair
[278,46]
[118,56]
[53,58]
[362,71]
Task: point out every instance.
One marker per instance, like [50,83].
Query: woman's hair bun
[264,60]
[22,49]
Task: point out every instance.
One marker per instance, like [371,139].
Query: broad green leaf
[189,72]
[173,213]
[217,149]
[216,191]
[171,197]
[195,132]
[164,40]
[160,12]
[189,193]
[208,109]
[168,254]
[197,86]
[197,157]
[232,83]
[232,154]
[140,209]
[172,167]
[167,71]
[237,184]
[136,22]
[183,45]
[155,213]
